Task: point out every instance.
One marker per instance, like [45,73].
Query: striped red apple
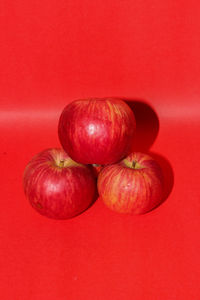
[97,131]
[133,186]
[57,186]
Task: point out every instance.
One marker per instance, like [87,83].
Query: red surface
[53,52]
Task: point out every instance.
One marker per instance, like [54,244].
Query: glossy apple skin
[97,131]
[132,190]
[59,192]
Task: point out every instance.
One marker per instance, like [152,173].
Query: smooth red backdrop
[52,52]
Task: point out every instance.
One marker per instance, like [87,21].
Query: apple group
[98,138]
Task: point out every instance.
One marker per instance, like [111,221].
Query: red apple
[57,186]
[97,131]
[134,185]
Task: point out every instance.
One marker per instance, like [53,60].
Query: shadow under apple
[168,174]
[147,124]
[147,128]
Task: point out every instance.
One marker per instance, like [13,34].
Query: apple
[97,131]
[57,186]
[133,186]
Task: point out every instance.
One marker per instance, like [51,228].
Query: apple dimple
[61,162]
[132,164]
[136,165]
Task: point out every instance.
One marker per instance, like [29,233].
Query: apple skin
[97,130]
[132,186]
[57,186]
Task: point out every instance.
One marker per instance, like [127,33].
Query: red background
[53,52]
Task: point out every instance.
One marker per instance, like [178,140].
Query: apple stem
[134,164]
[61,163]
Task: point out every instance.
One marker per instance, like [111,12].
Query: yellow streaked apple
[133,186]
